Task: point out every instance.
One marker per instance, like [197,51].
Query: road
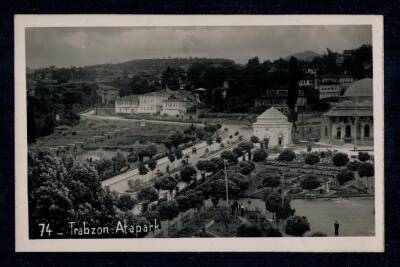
[119,183]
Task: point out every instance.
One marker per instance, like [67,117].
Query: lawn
[130,133]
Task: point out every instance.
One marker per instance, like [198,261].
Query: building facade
[333,85]
[274,126]
[151,103]
[277,97]
[173,106]
[351,120]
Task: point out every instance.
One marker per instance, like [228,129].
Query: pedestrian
[241,210]
[336,225]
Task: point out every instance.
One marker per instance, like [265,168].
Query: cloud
[87,46]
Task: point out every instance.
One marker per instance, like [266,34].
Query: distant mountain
[305,56]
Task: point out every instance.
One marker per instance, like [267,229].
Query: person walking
[241,210]
[336,226]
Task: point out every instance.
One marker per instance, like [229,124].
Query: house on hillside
[333,85]
[277,97]
[107,93]
[159,102]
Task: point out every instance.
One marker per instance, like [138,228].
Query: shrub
[259,155]
[287,155]
[246,167]
[366,170]
[311,159]
[340,159]
[363,156]
[353,165]
[297,226]
[310,183]
[344,176]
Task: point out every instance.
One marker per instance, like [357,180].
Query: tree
[171,157]
[217,189]
[311,159]
[246,148]
[254,139]
[310,183]
[259,155]
[223,217]
[166,183]
[366,170]
[229,156]
[246,167]
[273,203]
[344,176]
[218,139]
[152,163]
[285,211]
[148,194]
[269,180]
[340,159]
[125,202]
[297,226]
[204,166]
[238,151]
[168,210]
[210,141]
[188,173]
[287,155]
[353,165]
[103,165]
[142,169]
[363,156]
[178,153]
[218,164]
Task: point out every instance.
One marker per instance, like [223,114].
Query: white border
[287,244]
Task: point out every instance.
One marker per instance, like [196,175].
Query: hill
[305,56]
[157,65]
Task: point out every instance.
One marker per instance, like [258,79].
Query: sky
[64,47]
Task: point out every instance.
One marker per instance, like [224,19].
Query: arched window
[326,130]
[348,131]
[366,130]
[338,133]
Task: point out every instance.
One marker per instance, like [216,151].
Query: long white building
[166,102]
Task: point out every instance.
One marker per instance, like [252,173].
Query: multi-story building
[333,85]
[277,97]
[173,106]
[155,102]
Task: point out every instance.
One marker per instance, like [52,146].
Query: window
[366,131]
[326,130]
[338,133]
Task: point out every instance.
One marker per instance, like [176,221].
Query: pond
[355,215]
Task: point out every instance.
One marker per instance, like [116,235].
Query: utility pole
[226,184]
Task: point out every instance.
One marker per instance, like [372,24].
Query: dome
[272,114]
[360,88]
[346,103]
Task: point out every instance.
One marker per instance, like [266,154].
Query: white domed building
[351,120]
[274,126]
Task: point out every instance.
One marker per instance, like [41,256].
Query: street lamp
[226,184]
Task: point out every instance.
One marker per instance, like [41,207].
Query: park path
[119,183]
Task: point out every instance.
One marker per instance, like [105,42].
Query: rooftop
[360,88]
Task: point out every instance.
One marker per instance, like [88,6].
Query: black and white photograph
[178,133]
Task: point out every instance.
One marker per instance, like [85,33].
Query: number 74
[45,228]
